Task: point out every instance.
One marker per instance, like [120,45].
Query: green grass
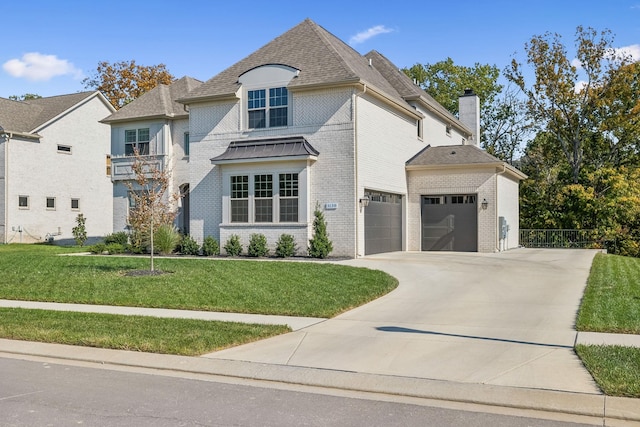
[37,273]
[611,301]
[616,369]
[137,333]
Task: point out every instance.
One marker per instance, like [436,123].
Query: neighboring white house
[306,122]
[54,155]
[158,127]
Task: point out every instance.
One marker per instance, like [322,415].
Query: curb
[576,404]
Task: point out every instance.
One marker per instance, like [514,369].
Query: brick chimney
[469,108]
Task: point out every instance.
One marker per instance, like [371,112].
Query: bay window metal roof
[288,148]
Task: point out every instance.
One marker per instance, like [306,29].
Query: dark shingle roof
[262,148]
[158,102]
[452,155]
[28,116]
[408,90]
[321,57]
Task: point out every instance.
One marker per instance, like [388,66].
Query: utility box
[503,227]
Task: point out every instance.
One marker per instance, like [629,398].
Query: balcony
[121,166]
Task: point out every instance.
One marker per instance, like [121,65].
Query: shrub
[210,246]
[79,231]
[98,248]
[319,246]
[189,246]
[286,246]
[257,245]
[233,246]
[120,237]
[115,248]
[165,239]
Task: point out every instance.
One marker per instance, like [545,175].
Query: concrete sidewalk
[491,329]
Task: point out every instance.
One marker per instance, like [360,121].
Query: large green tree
[446,81]
[573,99]
[122,82]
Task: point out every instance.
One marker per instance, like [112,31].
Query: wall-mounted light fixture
[364,201]
[484,204]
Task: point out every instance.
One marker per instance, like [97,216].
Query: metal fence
[538,238]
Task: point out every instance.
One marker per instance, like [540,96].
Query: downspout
[504,169]
[355,153]
[6,186]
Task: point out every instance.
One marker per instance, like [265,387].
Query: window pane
[129,149]
[186,143]
[143,149]
[129,136]
[257,119]
[257,99]
[240,187]
[239,211]
[143,135]
[289,210]
[51,202]
[264,210]
[263,186]
[288,185]
[23,201]
[278,117]
[278,97]
[75,204]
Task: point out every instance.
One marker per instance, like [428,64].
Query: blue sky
[49,47]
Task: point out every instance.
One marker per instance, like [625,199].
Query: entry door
[450,223]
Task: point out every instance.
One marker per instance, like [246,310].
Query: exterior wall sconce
[484,204]
[364,201]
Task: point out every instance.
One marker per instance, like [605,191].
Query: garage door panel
[383,225]
[448,226]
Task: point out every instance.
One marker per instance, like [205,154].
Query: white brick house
[307,121]
[53,166]
[158,127]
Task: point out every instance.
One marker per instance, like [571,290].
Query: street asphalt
[492,329]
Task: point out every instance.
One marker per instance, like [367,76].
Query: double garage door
[382,223]
[450,223]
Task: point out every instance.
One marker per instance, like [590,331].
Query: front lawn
[616,369]
[136,333]
[611,301]
[37,273]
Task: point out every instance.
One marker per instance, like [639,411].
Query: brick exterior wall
[468,181]
[38,170]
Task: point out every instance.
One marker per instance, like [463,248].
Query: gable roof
[452,156]
[27,117]
[412,92]
[159,102]
[322,59]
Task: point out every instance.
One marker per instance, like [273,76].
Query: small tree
[153,203]
[79,231]
[319,246]
[210,246]
[286,246]
[233,247]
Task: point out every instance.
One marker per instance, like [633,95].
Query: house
[158,128]
[54,165]
[306,123]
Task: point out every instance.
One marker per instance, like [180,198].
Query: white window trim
[28,202]
[72,208]
[64,149]
[303,195]
[46,203]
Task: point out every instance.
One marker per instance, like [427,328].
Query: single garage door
[450,223]
[382,223]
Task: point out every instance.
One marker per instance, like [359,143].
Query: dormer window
[268,112]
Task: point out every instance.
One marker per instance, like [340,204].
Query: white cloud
[365,35]
[632,50]
[35,66]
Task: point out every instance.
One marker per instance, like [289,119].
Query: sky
[48,47]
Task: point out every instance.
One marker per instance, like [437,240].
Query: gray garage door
[450,223]
[382,223]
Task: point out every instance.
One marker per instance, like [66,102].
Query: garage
[450,223]
[382,223]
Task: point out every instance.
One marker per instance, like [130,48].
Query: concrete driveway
[502,319]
